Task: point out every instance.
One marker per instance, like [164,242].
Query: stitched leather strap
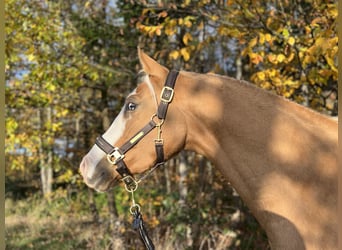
[104,145]
[109,149]
[167,94]
[159,152]
[138,224]
[138,136]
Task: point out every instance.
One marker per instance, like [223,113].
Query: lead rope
[138,222]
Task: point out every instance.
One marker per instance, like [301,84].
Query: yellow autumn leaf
[332,10]
[272,73]
[255,58]
[266,85]
[174,54]
[307,29]
[87,4]
[261,75]
[56,126]
[185,54]
[290,57]
[261,38]
[285,32]
[252,42]
[280,58]
[268,38]
[186,3]
[188,21]
[31,57]
[145,11]
[11,125]
[170,30]
[331,63]
[65,177]
[291,41]
[62,113]
[272,58]
[230,2]
[214,18]
[158,31]
[50,86]
[325,73]
[163,14]
[186,38]
[290,82]
[321,41]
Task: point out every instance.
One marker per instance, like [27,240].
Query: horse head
[140,108]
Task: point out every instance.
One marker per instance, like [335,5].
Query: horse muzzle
[101,177]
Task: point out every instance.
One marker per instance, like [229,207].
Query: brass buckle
[167,94]
[131,184]
[114,157]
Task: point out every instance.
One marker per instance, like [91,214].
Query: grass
[37,224]
[66,223]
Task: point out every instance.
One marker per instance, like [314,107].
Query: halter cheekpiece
[116,155]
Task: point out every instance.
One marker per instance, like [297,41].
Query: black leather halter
[116,155]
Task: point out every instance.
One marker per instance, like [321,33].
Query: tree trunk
[183,188]
[167,178]
[46,176]
[238,68]
[305,91]
[183,193]
[45,155]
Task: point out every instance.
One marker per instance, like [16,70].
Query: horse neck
[271,150]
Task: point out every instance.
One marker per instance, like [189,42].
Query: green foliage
[44,66]
[286,47]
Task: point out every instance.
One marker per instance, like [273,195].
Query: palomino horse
[279,156]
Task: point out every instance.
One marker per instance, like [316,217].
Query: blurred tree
[287,47]
[44,66]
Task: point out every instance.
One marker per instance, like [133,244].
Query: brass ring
[160,121]
[133,186]
[136,208]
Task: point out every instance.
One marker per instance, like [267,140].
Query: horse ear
[150,66]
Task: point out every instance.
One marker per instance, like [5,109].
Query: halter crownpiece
[116,155]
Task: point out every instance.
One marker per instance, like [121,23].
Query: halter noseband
[116,155]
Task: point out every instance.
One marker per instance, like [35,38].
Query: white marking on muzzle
[112,135]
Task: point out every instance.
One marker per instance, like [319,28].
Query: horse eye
[131,106]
